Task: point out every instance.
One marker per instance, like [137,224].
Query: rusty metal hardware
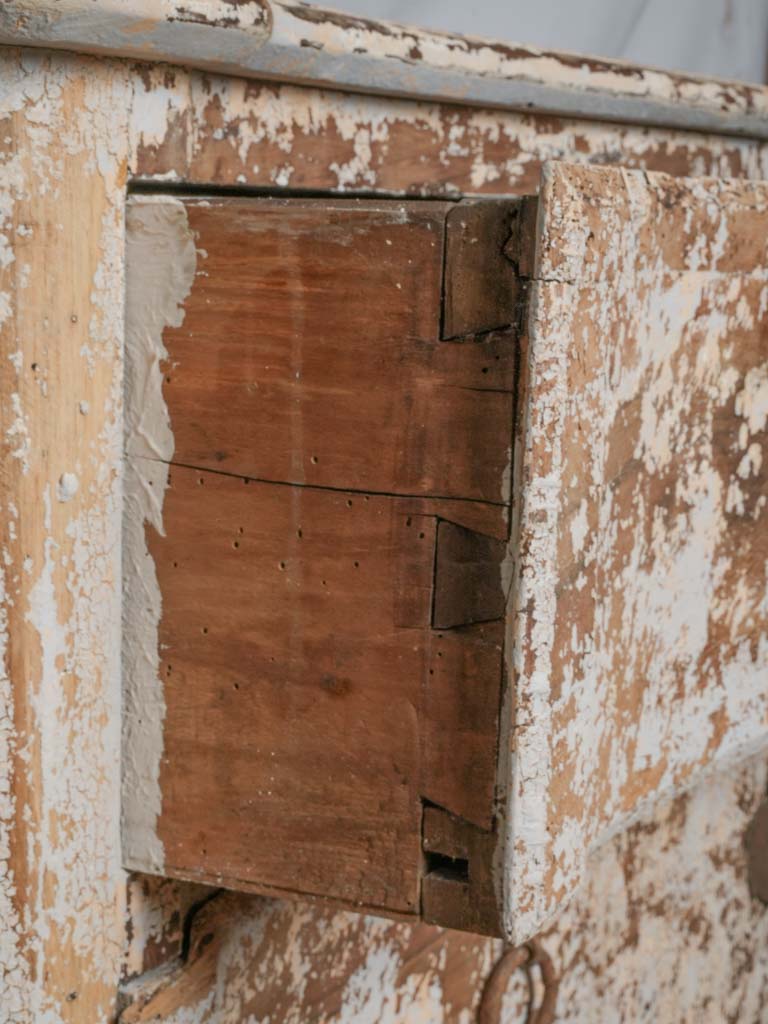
[513,959]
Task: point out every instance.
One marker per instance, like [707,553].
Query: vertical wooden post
[63,157]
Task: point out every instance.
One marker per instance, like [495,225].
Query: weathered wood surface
[325,444]
[166,123]
[189,126]
[61,296]
[298,42]
[308,353]
[482,292]
[640,626]
[468,583]
[663,930]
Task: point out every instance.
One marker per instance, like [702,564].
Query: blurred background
[724,38]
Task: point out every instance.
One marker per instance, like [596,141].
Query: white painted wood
[726,38]
[300,43]
[639,636]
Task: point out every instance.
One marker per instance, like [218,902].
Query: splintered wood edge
[299,43]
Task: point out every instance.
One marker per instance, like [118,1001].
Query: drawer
[444,533]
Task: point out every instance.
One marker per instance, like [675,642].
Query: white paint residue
[160,268]
[641,645]
[67,486]
[752,401]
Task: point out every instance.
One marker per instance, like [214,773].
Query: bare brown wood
[325,666]
[756,843]
[460,728]
[458,889]
[481,286]
[468,584]
[293,671]
[309,353]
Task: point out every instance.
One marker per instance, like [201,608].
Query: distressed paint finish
[663,930]
[299,42]
[69,126]
[641,607]
[63,158]
[198,128]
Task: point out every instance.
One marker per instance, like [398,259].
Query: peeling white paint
[662,930]
[238,123]
[298,42]
[66,150]
[62,557]
[67,486]
[633,674]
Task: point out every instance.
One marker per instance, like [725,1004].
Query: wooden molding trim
[296,42]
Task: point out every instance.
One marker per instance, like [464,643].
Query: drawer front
[337,392]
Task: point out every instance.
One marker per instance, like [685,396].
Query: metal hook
[515,958]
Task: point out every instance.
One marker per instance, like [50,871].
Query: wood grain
[332,454]
[309,353]
[679,872]
[481,282]
[60,435]
[468,583]
[293,672]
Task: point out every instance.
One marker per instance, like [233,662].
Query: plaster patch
[160,270]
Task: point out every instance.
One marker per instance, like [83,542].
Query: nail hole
[357,565]
[299,533]
[314,460]
[205,630]
[282,567]
[349,503]
[235,543]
